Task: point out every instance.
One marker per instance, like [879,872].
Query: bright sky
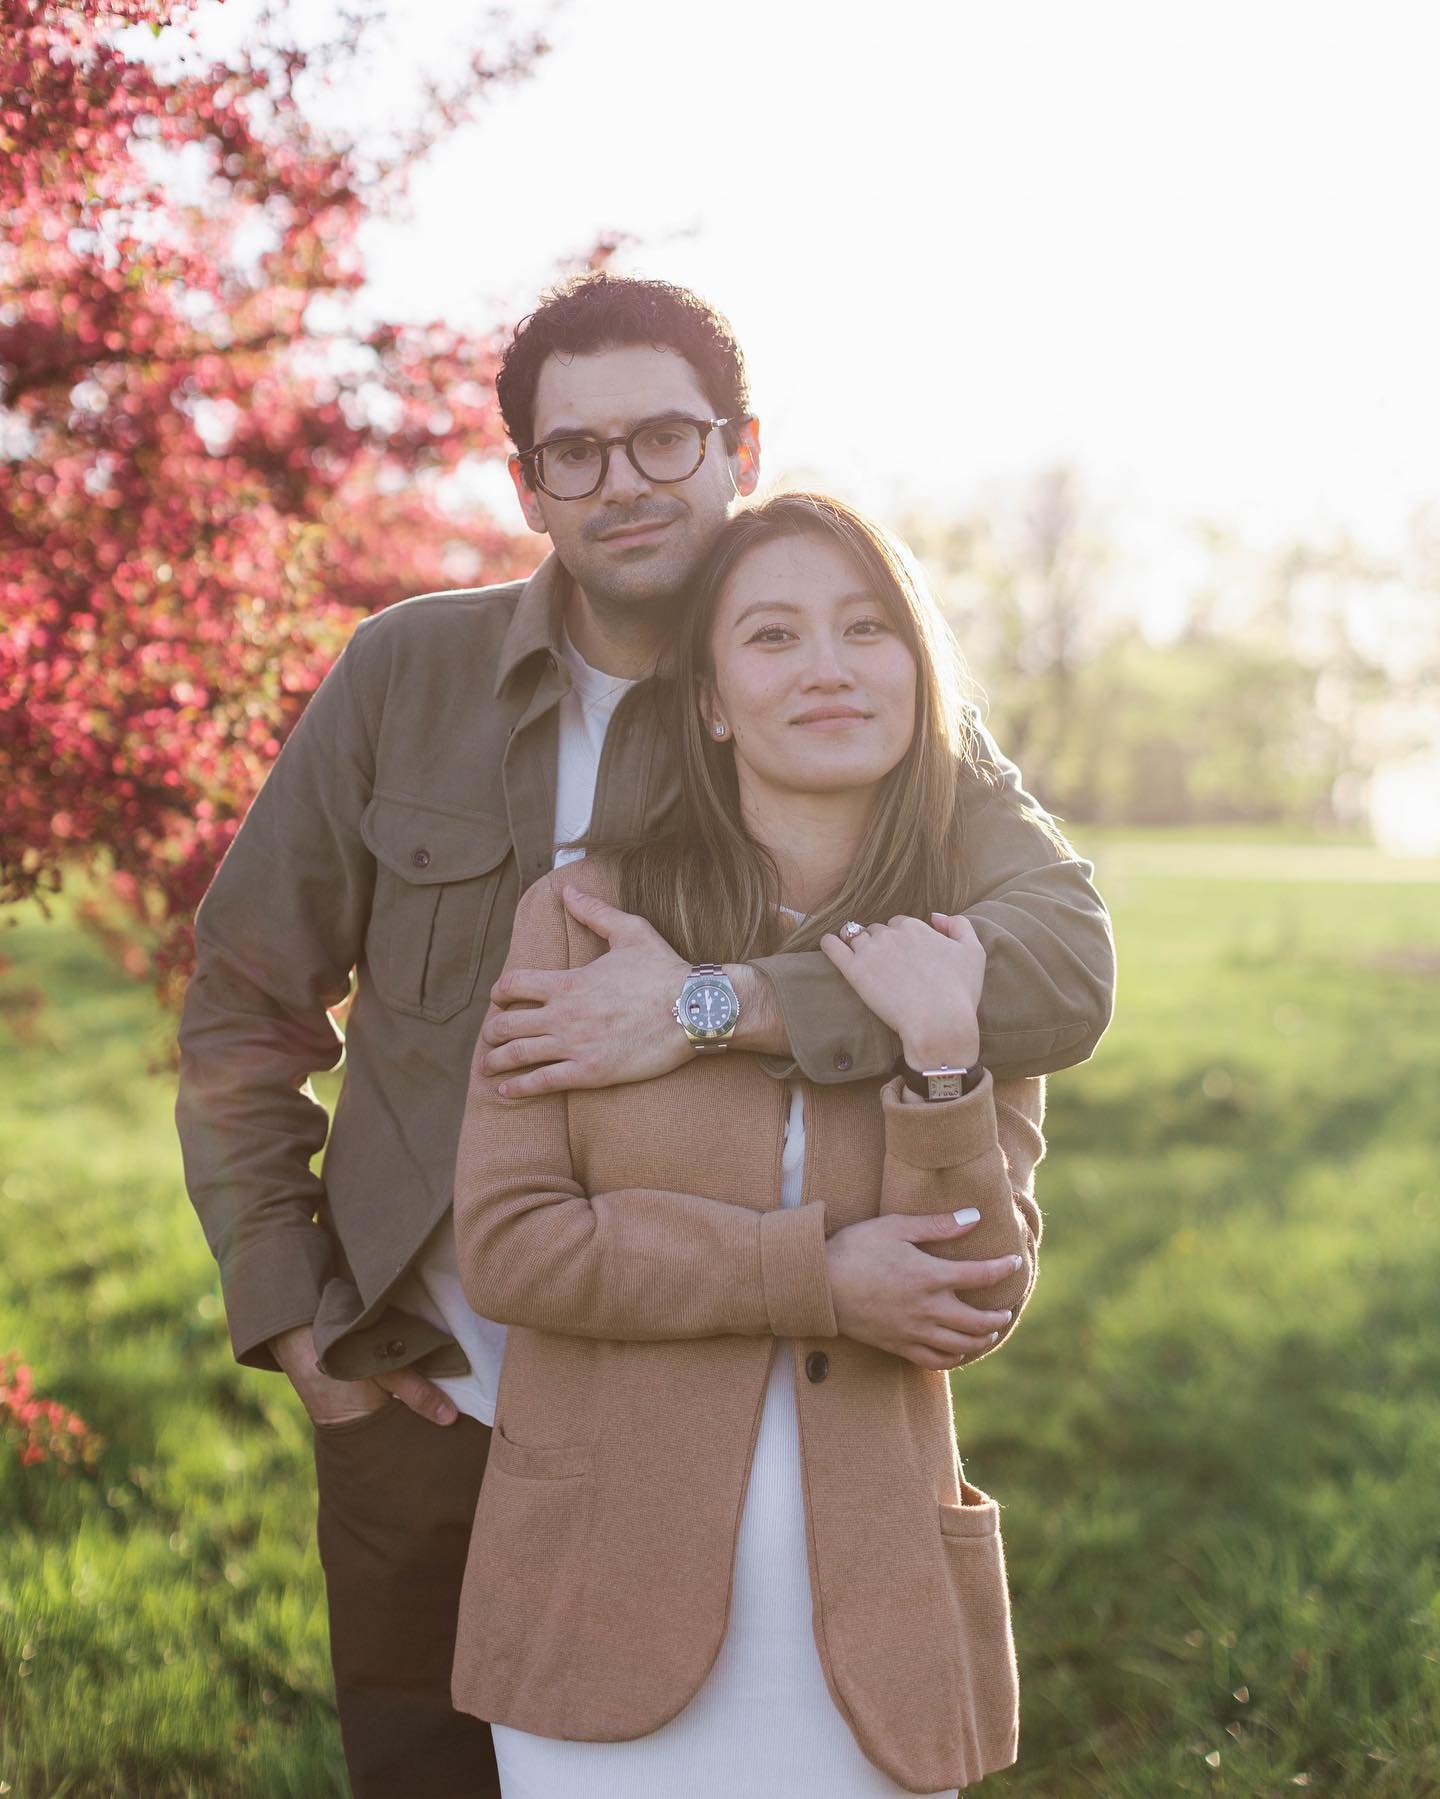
[1192,250]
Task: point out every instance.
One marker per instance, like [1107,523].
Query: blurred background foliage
[1283,686]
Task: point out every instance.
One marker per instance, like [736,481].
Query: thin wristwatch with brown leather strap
[943,1082]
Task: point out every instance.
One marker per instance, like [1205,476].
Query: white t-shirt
[431,1288]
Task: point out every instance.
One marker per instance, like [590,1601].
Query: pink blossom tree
[213,461]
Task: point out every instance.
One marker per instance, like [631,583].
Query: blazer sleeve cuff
[943,1133]
[793,1272]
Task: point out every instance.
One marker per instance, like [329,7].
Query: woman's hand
[923,979]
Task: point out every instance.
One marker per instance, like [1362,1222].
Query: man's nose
[623,481]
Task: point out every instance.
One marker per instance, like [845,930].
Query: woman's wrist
[939,1083]
[922,1055]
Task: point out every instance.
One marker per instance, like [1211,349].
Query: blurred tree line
[1289,677]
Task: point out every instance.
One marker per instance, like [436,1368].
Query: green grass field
[1216,1435]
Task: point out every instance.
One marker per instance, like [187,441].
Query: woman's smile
[832,718]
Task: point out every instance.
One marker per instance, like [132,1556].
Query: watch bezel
[698,1035]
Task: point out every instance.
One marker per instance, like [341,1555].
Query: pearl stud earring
[719,730]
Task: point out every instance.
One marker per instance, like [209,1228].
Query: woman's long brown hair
[705,884]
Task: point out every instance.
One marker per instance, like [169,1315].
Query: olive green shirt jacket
[407,811]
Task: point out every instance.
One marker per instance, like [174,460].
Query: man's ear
[745,457]
[528,496]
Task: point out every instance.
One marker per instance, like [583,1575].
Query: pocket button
[389,1350]
[421,858]
[817,1365]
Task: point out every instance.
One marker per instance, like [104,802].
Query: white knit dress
[763,1724]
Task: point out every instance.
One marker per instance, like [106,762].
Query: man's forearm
[760,1027]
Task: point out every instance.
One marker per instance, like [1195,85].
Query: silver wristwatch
[708,1008]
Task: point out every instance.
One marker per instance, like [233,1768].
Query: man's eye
[572,452]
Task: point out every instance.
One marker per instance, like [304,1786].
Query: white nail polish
[967,1214]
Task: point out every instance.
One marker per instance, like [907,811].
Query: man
[456,746]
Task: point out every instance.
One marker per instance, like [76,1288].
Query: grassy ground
[1216,1434]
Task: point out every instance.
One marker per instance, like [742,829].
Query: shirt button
[817,1365]
[395,1346]
[421,858]
[842,1059]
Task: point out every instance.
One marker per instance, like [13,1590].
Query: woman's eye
[870,627]
[769,634]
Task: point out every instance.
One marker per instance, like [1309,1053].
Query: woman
[722,1547]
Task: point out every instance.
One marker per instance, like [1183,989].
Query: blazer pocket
[546,1461]
[977,1515]
[437,873]
[988,1679]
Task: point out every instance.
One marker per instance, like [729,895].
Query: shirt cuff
[272,1288]
[833,1036]
[793,1272]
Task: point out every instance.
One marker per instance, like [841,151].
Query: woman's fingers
[959,1315]
[948,1349]
[957,927]
[982,1273]
[837,951]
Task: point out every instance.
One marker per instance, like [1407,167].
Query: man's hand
[338,1401]
[923,979]
[596,1026]
[889,1293]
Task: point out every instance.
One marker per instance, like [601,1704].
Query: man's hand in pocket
[341,1401]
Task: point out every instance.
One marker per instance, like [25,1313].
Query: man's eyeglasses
[664,450]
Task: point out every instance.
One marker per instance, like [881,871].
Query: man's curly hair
[601,311]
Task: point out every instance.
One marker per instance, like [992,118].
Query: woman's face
[813,683]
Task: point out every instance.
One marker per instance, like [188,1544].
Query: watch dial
[709,1007]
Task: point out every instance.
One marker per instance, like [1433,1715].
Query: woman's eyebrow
[845,599]
[768,606]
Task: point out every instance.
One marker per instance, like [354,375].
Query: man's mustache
[629,521]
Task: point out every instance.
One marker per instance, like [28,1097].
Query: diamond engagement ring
[850,931]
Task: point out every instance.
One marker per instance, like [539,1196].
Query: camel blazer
[634,1239]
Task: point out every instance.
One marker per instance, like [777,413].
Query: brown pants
[396,1500]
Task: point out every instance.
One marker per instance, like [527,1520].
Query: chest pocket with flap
[438,872]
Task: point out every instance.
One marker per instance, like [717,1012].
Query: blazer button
[817,1364]
[394,1347]
[842,1059]
[421,858]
